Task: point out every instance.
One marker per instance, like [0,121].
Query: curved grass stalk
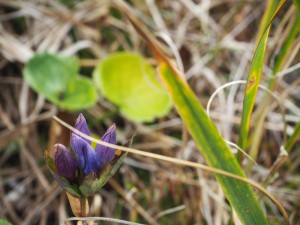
[281,107]
[286,71]
[182,163]
[102,219]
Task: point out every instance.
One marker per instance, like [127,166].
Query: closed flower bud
[65,163]
[106,154]
[81,125]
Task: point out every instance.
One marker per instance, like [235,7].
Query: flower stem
[83,207]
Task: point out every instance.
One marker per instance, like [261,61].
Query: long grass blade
[297,4]
[287,45]
[280,62]
[268,14]
[253,82]
[213,148]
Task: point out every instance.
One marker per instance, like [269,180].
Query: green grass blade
[213,148]
[251,89]
[253,82]
[268,14]
[287,45]
[297,4]
[280,62]
[293,138]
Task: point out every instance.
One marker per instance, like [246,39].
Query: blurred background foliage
[64,56]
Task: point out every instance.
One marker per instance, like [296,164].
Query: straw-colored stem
[83,201]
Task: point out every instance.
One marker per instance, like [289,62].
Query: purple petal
[104,153]
[87,160]
[65,162]
[81,125]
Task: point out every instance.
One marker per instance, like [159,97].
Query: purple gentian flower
[81,170]
[65,162]
[106,154]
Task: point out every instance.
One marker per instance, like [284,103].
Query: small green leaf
[49,74]
[56,78]
[127,80]
[4,222]
[80,93]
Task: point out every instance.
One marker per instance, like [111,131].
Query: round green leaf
[56,78]
[79,94]
[49,74]
[4,222]
[127,80]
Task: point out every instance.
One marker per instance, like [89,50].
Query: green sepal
[49,161]
[64,183]
[111,168]
[88,186]
[116,163]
